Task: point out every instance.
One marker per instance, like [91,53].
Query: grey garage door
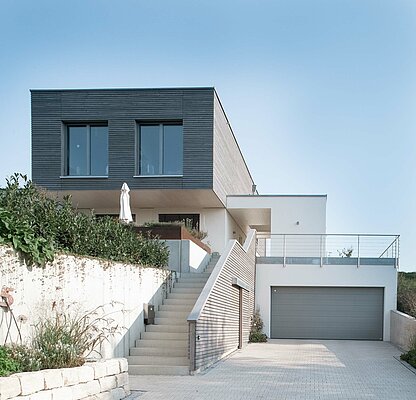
[327,313]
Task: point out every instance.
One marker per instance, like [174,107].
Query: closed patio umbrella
[125,211]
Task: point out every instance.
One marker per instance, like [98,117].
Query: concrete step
[159,351]
[158,370]
[176,307]
[188,290]
[201,275]
[179,302]
[183,296]
[168,328]
[165,336]
[172,314]
[175,344]
[171,321]
[157,360]
[194,285]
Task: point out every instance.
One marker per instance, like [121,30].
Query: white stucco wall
[233,230]
[268,275]
[87,283]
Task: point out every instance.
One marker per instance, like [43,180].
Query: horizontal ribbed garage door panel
[327,313]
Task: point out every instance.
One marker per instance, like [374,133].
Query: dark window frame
[66,149]
[177,217]
[161,148]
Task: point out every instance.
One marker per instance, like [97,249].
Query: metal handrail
[322,248]
[394,242]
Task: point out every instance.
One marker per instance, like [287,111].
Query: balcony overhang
[248,211]
[143,198]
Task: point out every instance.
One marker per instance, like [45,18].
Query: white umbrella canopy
[125,211]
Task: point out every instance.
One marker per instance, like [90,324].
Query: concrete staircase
[163,348]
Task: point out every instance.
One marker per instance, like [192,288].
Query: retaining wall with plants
[83,283]
[101,380]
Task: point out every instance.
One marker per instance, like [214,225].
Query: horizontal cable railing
[326,249]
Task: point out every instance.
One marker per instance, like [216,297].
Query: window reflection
[161,149]
[87,150]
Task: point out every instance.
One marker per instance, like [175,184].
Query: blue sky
[321,95]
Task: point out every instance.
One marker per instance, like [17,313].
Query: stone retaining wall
[403,329]
[101,380]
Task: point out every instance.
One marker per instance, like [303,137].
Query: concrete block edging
[98,380]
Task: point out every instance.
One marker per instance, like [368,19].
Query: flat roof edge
[277,195]
[124,88]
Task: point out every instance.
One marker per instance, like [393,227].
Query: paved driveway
[293,369]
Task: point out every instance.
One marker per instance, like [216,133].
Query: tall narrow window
[160,149]
[87,150]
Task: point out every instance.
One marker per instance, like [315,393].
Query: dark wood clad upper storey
[122,110]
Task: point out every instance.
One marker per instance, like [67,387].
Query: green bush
[406,293]
[257,337]
[28,358]
[38,226]
[68,337]
[8,365]
[187,224]
[256,334]
[410,357]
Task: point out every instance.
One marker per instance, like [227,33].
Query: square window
[160,149]
[86,150]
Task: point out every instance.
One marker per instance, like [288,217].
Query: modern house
[177,152]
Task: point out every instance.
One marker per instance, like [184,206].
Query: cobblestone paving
[293,370]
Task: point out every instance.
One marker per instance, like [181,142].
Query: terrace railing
[330,249]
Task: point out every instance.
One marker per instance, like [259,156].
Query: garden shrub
[67,337]
[8,365]
[187,224]
[410,356]
[38,226]
[28,358]
[256,330]
[406,293]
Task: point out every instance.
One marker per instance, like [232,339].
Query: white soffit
[144,198]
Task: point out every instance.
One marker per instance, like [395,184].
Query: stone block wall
[101,380]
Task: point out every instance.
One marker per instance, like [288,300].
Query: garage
[327,313]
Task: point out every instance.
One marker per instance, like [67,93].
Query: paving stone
[117,394]
[293,370]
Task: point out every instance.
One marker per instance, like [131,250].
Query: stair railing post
[320,251]
[192,346]
[284,250]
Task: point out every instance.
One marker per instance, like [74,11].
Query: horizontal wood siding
[121,109]
[218,324]
[231,175]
